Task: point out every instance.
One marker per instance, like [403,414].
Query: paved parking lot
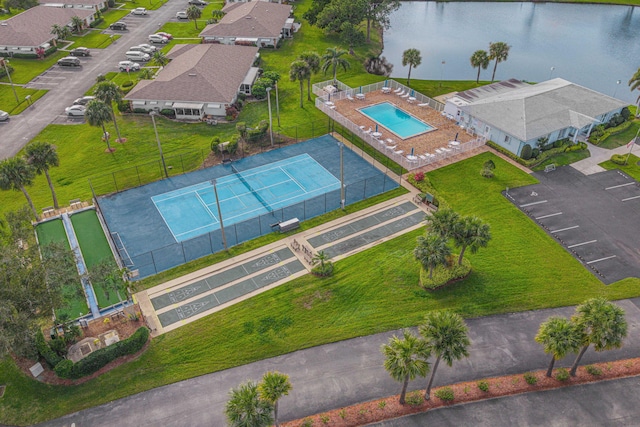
[594,217]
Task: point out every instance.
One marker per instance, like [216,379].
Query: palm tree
[634,83]
[274,385]
[472,233]
[97,114]
[498,51]
[313,62]
[77,23]
[56,30]
[333,59]
[443,222]
[447,337]
[109,92]
[42,156]
[320,257]
[431,251]
[299,71]
[145,74]
[160,58]
[412,58]
[16,174]
[558,336]
[194,13]
[217,14]
[602,324]
[405,359]
[246,409]
[480,59]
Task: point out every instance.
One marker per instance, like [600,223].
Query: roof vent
[192,74]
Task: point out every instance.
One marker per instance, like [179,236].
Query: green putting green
[53,232]
[95,249]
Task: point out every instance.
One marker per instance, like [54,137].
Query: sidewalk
[590,165]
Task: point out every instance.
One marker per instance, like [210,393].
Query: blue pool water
[396,120]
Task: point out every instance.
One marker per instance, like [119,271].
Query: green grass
[8,99]
[183,30]
[53,232]
[93,39]
[95,250]
[562,159]
[632,168]
[111,16]
[362,298]
[26,70]
[622,138]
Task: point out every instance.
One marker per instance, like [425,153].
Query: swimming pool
[398,121]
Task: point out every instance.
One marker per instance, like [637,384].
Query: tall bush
[50,356]
[526,152]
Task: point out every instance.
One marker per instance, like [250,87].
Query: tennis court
[193,210]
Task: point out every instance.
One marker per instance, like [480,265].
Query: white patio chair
[390,147]
[425,104]
[398,90]
[350,98]
[398,151]
[406,95]
[367,131]
[390,141]
[400,94]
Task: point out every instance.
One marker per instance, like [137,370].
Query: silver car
[4,116]
[75,110]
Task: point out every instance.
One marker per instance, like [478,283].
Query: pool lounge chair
[398,151]
[406,95]
[424,104]
[368,131]
[400,94]
[390,147]
[390,141]
[398,90]
[350,98]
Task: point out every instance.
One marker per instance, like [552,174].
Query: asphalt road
[343,373]
[66,84]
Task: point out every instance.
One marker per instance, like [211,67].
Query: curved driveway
[343,373]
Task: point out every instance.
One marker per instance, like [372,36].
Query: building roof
[250,20]
[33,26]
[199,73]
[62,3]
[533,111]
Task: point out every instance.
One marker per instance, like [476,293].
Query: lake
[591,45]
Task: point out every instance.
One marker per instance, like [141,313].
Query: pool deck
[181,301]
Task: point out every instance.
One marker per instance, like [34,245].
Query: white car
[139,11]
[182,15]
[128,66]
[84,100]
[156,38]
[75,110]
[4,116]
[147,48]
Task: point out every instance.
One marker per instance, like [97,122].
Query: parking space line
[564,229]
[621,185]
[580,244]
[631,198]
[533,203]
[547,216]
[601,259]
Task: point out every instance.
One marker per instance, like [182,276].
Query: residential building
[77,4]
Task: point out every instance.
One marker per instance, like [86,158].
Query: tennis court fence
[179,253]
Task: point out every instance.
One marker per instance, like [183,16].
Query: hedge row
[598,137]
[541,156]
[50,356]
[29,55]
[99,358]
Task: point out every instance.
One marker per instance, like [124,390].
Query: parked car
[120,26]
[146,48]
[157,38]
[198,2]
[69,61]
[80,51]
[139,11]
[136,55]
[128,66]
[84,100]
[4,116]
[163,34]
[182,15]
[75,110]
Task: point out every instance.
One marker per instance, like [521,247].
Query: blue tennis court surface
[192,211]
[396,120]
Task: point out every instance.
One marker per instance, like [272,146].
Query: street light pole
[155,129]
[442,72]
[551,72]
[270,119]
[634,141]
[342,198]
[6,69]
[224,237]
[616,89]
[277,105]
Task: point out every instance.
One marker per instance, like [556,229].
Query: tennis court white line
[295,180]
[533,203]
[550,215]
[207,208]
[601,259]
[580,244]
[631,198]
[564,229]
[621,185]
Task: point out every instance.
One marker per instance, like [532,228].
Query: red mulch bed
[389,408]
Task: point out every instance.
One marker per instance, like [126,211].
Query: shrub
[59,345]
[139,111]
[342,414]
[530,378]
[128,83]
[419,176]
[168,112]
[415,399]
[443,275]
[562,374]
[593,370]
[558,143]
[325,418]
[3,72]
[483,386]
[307,422]
[625,113]
[445,393]
[619,159]
[124,106]
[323,271]
[382,404]
[535,152]
[50,356]
[526,152]
[489,165]
[96,22]
[487,173]
[64,368]
[101,78]
[214,143]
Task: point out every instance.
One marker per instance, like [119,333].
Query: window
[561,133]
[507,139]
[179,112]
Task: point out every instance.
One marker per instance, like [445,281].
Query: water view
[592,45]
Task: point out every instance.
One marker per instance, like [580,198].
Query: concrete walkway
[590,165]
[347,372]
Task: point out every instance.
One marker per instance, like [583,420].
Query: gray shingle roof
[33,26]
[534,111]
[250,20]
[199,72]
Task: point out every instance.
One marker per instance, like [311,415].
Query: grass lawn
[562,159]
[182,30]
[8,99]
[632,168]
[26,70]
[93,39]
[622,138]
[53,232]
[362,298]
[111,16]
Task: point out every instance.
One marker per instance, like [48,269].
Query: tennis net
[246,184]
